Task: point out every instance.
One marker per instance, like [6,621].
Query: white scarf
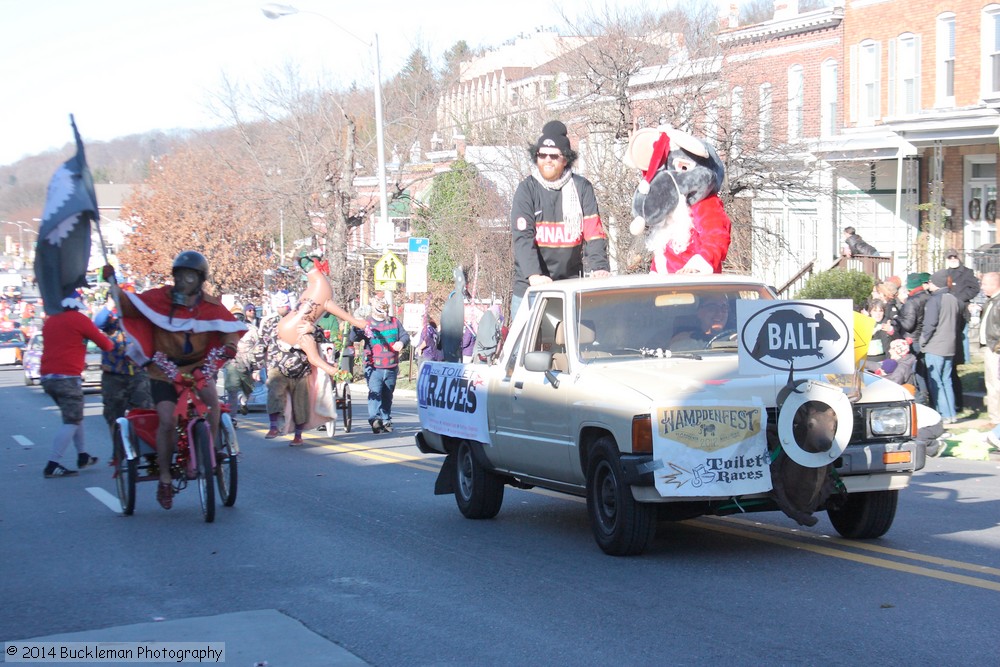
[572,209]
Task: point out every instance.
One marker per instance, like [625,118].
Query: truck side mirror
[541,362]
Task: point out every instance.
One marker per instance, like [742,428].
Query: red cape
[154,307]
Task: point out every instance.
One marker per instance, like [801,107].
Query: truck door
[532,429]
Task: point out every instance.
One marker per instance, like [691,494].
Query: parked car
[12,292]
[33,362]
[12,343]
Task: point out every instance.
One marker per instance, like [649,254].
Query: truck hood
[667,380]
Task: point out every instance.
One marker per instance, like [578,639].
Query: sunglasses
[549,156]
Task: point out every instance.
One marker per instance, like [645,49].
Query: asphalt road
[345,538]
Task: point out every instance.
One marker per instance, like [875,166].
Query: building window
[991,50]
[904,67]
[764,113]
[828,98]
[866,77]
[796,103]
[946,60]
[736,117]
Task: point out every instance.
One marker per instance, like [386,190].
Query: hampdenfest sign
[711,448]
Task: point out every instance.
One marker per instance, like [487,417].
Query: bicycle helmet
[191,259]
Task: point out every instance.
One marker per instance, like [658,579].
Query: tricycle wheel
[226,462]
[622,526]
[345,406]
[125,473]
[865,515]
[478,491]
[203,465]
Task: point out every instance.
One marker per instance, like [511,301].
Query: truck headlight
[889,421]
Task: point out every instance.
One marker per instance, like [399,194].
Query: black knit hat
[554,135]
[940,278]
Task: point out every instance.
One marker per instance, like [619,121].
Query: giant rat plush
[677,203]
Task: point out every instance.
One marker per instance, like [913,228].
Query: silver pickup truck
[628,391]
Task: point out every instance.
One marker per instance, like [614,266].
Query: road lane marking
[847,555]
[109,500]
[23,441]
[837,547]
[855,544]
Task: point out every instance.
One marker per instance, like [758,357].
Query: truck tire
[478,491]
[622,526]
[865,515]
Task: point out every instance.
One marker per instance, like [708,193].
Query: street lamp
[275,11]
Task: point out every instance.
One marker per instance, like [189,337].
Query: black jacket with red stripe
[541,243]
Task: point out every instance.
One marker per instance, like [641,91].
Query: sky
[131,66]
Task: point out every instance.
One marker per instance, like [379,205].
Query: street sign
[413,317]
[420,245]
[389,269]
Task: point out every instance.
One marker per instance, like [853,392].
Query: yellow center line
[796,541]
[923,558]
[858,558]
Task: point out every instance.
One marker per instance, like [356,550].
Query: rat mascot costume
[677,201]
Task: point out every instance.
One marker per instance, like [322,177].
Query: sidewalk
[261,637]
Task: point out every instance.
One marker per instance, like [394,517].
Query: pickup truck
[628,391]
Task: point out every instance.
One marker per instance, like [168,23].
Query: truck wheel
[478,491]
[865,515]
[622,526]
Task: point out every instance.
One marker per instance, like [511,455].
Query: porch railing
[879,268]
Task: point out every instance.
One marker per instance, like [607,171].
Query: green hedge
[839,284]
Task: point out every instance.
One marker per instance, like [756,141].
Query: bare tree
[192,203]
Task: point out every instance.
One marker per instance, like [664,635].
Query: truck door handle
[519,385]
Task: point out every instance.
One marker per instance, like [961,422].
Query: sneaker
[296,441]
[57,470]
[321,427]
[165,495]
[377,426]
[243,407]
[387,427]
[272,434]
[84,459]
[992,440]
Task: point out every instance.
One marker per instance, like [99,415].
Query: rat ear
[640,148]
[686,141]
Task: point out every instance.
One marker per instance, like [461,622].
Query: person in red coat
[63,360]
[676,203]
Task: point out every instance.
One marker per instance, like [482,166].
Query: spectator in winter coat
[855,246]
[989,339]
[910,320]
[901,365]
[556,229]
[939,341]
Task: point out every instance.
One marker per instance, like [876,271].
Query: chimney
[459,140]
[785,9]
[729,15]
[415,152]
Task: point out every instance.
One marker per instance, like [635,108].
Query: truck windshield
[632,322]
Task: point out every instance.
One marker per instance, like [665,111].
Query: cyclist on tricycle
[177,327]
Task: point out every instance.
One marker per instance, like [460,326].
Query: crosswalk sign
[389,269]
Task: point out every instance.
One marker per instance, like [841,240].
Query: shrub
[839,284]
